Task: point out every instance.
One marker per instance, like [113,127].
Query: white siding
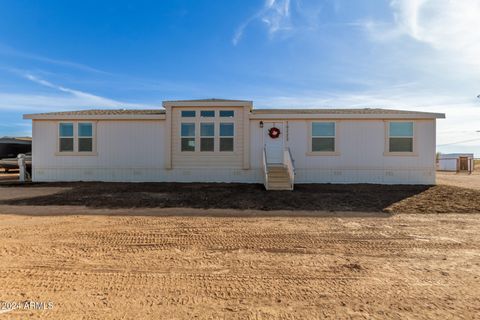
[361,159]
[134,151]
[121,146]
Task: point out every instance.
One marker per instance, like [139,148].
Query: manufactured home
[216,140]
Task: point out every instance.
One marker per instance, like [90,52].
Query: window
[207,136]
[188,136]
[226,136]
[400,137]
[227,113]
[85,137]
[66,137]
[207,114]
[323,137]
[188,114]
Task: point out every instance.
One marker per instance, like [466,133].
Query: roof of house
[329,113]
[338,111]
[104,112]
[208,100]
[255,113]
[100,114]
[447,156]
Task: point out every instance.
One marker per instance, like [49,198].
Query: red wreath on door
[274,132]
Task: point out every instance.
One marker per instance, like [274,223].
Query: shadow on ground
[305,197]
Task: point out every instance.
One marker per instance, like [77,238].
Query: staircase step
[278,178]
[282,176]
[277,171]
[278,181]
[279,187]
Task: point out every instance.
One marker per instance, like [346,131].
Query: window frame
[75,151]
[83,137]
[228,137]
[189,117]
[59,136]
[189,137]
[226,117]
[335,151]
[387,151]
[198,120]
[208,117]
[207,137]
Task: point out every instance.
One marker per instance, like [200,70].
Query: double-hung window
[66,137]
[76,137]
[323,137]
[207,136]
[400,136]
[85,137]
[226,136]
[188,136]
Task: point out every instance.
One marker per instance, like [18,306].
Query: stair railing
[288,162]
[265,168]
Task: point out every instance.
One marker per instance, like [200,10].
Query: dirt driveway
[106,265]
[463,180]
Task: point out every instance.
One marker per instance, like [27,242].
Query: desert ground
[95,258]
[460,179]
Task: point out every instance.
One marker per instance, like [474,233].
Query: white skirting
[376,176]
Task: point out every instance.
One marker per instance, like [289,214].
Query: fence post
[22,167]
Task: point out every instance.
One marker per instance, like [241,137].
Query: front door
[273,146]
[463,164]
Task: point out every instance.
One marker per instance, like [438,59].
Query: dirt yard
[122,251]
[464,180]
[107,265]
[326,197]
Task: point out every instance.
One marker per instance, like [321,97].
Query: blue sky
[407,54]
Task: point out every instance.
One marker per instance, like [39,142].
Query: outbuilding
[458,162]
[216,140]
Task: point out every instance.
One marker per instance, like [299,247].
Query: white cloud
[450,27]
[65,99]
[93,99]
[9,51]
[437,44]
[277,17]
[275,14]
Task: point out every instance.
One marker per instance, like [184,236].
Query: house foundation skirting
[235,175]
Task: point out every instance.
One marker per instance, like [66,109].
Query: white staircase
[279,176]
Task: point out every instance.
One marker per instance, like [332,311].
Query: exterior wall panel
[134,151]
